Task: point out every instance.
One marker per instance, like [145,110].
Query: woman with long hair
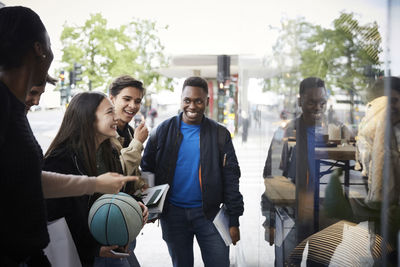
[25,57]
[82,146]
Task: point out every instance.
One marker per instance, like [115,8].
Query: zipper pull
[224,162]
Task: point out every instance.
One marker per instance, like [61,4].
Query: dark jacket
[279,155]
[74,209]
[23,227]
[126,135]
[220,184]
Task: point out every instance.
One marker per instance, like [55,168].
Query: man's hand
[141,133]
[235,234]
[111,183]
[145,212]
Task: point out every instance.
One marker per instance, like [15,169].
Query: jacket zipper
[169,165]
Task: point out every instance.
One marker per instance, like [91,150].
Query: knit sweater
[23,225]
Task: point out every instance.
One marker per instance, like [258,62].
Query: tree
[345,56]
[286,57]
[105,52]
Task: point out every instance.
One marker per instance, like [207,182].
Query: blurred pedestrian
[331,115]
[245,126]
[153,114]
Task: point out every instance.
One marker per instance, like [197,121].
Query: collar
[124,131]
[179,119]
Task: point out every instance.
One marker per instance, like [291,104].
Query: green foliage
[106,53]
[345,56]
[286,56]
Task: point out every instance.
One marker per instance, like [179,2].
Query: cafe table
[338,156]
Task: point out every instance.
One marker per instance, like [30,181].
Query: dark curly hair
[310,83]
[196,82]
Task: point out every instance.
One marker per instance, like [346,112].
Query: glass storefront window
[311,95]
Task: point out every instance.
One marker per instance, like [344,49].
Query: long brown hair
[77,133]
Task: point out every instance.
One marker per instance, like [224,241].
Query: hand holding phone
[113,252]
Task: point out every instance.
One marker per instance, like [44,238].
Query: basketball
[115,219]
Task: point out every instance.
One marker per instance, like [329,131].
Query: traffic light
[224,65]
[63,90]
[74,75]
[71,79]
[223,75]
[77,72]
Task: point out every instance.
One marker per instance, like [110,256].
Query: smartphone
[153,216]
[119,253]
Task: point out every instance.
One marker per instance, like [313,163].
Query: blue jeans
[180,225]
[110,262]
[133,261]
[130,261]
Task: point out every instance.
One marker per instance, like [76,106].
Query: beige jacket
[130,158]
[370,152]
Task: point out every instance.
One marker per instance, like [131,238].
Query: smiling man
[297,163]
[33,97]
[312,100]
[195,156]
[126,93]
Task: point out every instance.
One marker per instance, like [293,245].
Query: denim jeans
[130,261]
[133,261]
[180,225]
[110,262]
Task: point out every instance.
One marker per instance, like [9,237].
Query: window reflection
[324,172]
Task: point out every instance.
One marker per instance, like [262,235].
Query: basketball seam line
[126,226]
[106,231]
[122,201]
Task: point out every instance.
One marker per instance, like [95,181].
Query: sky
[208,26]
